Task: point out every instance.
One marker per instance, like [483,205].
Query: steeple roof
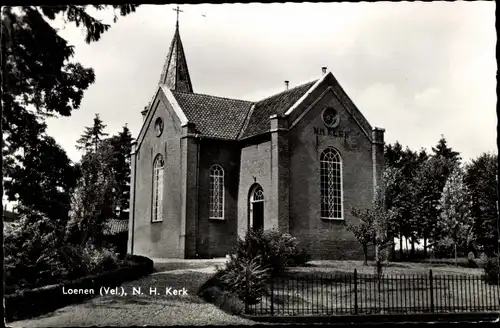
[175,74]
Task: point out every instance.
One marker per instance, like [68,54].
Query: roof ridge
[207,95]
[285,91]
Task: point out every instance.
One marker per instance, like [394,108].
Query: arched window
[331,184]
[216,192]
[158,169]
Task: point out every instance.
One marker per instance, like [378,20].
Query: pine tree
[442,149]
[122,147]
[93,136]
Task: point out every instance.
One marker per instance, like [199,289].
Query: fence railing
[353,293]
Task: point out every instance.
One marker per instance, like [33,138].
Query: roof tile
[214,116]
[225,118]
[277,104]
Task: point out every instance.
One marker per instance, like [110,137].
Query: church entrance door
[257,208]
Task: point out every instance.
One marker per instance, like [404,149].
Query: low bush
[246,278]
[491,270]
[275,250]
[36,254]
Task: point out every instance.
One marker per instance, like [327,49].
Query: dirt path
[161,309]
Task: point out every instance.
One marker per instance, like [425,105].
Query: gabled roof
[175,73]
[277,104]
[214,116]
[233,118]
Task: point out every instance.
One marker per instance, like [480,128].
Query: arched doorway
[256,208]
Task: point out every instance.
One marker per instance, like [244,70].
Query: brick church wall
[217,237]
[327,239]
[255,168]
[158,239]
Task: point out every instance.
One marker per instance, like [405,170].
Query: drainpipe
[133,201]
[198,139]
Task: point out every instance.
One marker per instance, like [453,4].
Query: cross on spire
[178,11]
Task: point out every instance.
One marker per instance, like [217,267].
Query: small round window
[158,126]
[330,117]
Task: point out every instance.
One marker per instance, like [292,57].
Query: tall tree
[456,221]
[122,146]
[92,137]
[39,79]
[45,179]
[93,201]
[480,178]
[428,189]
[442,149]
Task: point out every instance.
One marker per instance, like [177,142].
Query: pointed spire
[175,74]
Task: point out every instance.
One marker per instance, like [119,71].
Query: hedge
[33,302]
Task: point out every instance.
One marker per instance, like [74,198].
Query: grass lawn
[330,267]
[139,310]
[404,288]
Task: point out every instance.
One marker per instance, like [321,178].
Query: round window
[158,126]
[330,117]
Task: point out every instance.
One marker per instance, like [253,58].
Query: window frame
[157,192]
[337,161]
[216,173]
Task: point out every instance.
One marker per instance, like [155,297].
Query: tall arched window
[216,192]
[158,169]
[331,184]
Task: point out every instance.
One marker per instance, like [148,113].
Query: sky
[419,70]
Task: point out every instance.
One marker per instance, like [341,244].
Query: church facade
[205,169]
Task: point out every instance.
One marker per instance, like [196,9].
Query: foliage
[43,179]
[37,255]
[480,178]
[456,222]
[41,81]
[364,231]
[92,202]
[400,195]
[275,250]
[121,146]
[374,222]
[93,136]
[491,270]
[246,277]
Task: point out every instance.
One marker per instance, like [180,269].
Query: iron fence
[353,294]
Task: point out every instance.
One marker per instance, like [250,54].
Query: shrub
[38,255]
[246,278]
[275,249]
[491,270]
[471,260]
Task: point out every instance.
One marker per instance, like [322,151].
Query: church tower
[175,73]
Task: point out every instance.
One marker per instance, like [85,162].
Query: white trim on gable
[175,105]
[305,95]
[173,102]
[329,89]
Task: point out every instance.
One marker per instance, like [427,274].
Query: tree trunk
[401,246]
[456,259]
[365,250]
[425,246]
[413,248]
[393,249]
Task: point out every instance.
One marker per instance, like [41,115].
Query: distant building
[205,169]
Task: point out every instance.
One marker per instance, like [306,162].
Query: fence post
[355,291]
[432,290]
[272,296]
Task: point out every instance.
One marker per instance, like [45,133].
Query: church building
[205,168]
